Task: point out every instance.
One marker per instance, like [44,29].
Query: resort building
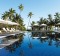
[43,27]
[37,27]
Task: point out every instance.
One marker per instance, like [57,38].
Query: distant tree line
[50,21]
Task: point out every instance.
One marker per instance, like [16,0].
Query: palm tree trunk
[28,24]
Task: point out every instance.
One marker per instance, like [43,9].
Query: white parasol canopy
[2,21]
[58,24]
[43,25]
[11,23]
[8,22]
[35,24]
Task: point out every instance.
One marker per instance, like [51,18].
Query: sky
[40,8]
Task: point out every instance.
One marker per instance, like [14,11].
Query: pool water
[32,44]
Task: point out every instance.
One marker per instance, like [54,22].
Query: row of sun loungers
[9,30]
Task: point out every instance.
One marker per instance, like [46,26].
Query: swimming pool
[32,44]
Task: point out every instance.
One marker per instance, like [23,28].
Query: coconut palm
[5,15]
[45,21]
[50,17]
[40,21]
[16,17]
[29,15]
[11,13]
[21,7]
[33,22]
[8,14]
[57,15]
[57,18]
[19,19]
[50,20]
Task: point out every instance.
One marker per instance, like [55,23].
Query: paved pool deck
[2,35]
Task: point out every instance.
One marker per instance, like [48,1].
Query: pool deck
[2,35]
[41,31]
[46,31]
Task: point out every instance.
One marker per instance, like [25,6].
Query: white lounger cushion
[4,29]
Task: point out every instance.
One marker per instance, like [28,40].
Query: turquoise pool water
[32,44]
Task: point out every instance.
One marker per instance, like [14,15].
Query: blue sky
[40,8]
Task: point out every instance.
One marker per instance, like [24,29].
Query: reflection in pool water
[32,44]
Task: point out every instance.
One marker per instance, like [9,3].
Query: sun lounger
[4,29]
[9,30]
[0,32]
[12,30]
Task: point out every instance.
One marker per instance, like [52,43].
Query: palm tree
[30,15]
[33,22]
[50,17]
[45,21]
[11,13]
[57,15]
[19,19]
[16,17]
[5,15]
[8,14]
[57,18]
[40,21]
[50,20]
[21,7]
